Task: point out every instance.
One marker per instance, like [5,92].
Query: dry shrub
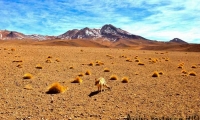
[48,61]
[27,76]
[91,64]
[12,49]
[77,80]
[125,80]
[108,55]
[160,73]
[56,88]
[71,67]
[140,63]
[106,70]
[167,59]
[49,57]
[113,77]
[155,74]
[28,87]
[81,74]
[184,71]
[87,72]
[137,60]
[57,60]
[17,61]
[122,56]
[38,66]
[194,66]
[19,65]
[153,60]
[192,73]
[98,63]
[129,60]
[181,64]
[180,67]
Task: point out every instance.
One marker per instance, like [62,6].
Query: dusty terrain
[173,94]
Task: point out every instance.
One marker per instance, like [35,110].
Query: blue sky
[153,19]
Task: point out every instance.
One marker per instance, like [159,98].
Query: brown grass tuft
[87,72]
[160,73]
[125,80]
[113,77]
[12,49]
[38,66]
[77,80]
[155,74]
[27,76]
[28,87]
[19,66]
[192,73]
[180,67]
[194,66]
[184,72]
[137,60]
[57,60]
[106,70]
[56,88]
[49,57]
[48,61]
[71,67]
[98,63]
[81,74]
[17,61]
[167,59]
[91,64]
[140,63]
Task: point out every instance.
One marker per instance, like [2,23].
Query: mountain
[81,34]
[4,34]
[108,32]
[111,32]
[11,35]
[177,40]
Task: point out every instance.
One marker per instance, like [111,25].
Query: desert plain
[173,94]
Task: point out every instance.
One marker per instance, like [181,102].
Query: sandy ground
[173,94]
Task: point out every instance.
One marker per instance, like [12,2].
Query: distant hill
[177,40]
[108,32]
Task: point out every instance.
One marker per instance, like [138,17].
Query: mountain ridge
[107,32]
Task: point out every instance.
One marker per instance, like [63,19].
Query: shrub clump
[140,63]
[56,88]
[192,73]
[125,80]
[38,66]
[113,77]
[155,74]
[106,70]
[87,72]
[77,80]
[27,76]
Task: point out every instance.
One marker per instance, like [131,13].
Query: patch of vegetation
[56,88]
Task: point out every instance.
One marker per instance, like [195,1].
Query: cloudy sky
[160,20]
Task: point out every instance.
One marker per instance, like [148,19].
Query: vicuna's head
[96,81]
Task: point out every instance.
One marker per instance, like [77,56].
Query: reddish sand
[173,94]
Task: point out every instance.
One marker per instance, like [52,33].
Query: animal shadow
[93,93]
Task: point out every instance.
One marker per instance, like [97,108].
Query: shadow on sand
[93,93]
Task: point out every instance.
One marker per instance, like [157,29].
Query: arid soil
[174,94]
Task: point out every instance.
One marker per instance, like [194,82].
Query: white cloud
[153,19]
